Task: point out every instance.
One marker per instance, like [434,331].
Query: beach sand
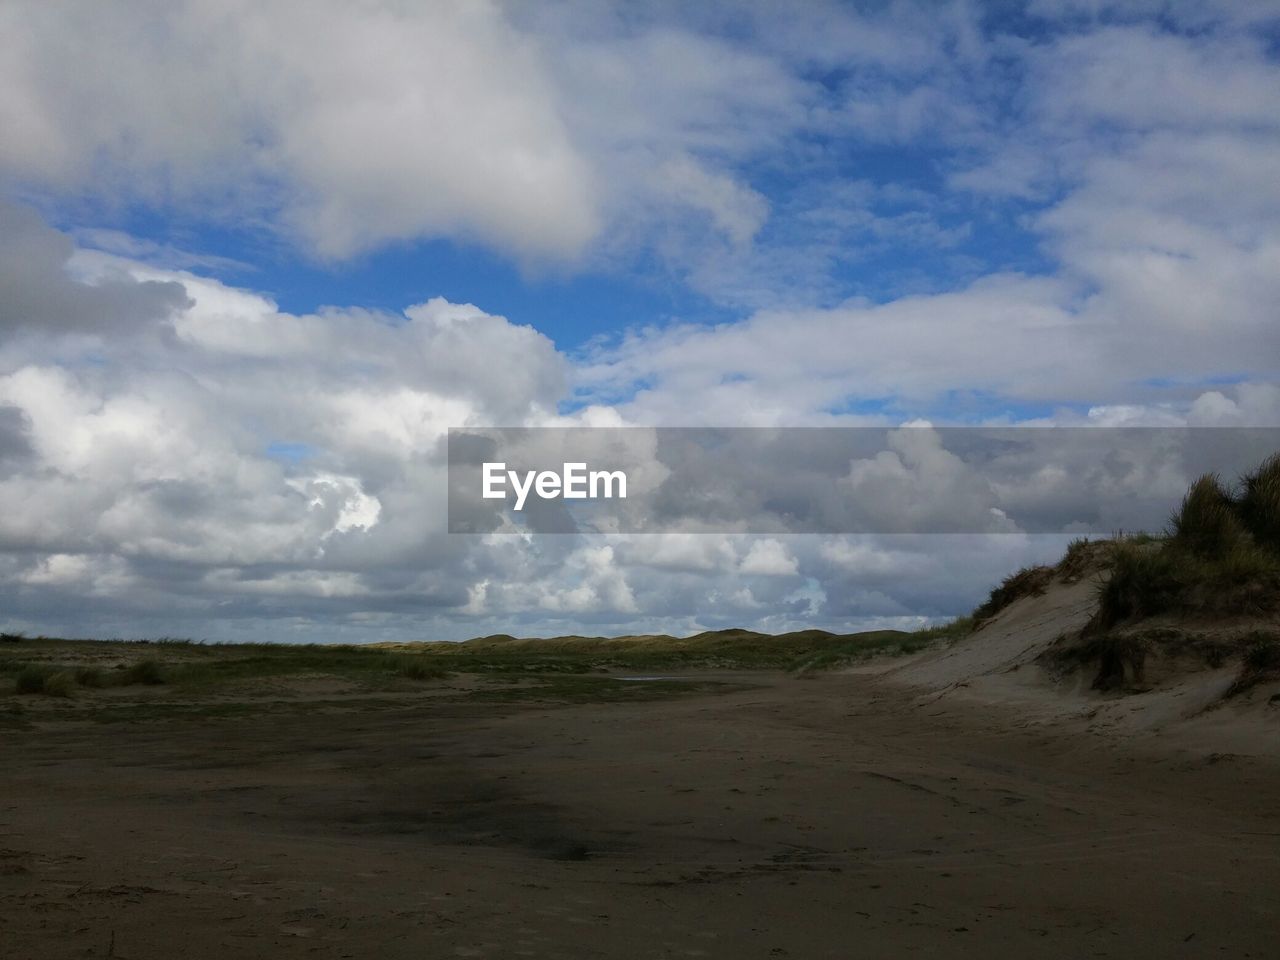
[843,815]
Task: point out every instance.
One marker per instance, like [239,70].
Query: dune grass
[193,668]
[417,668]
[1259,503]
[46,680]
[1221,555]
[717,649]
[58,667]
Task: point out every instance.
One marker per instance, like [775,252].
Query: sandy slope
[1010,641]
[1181,706]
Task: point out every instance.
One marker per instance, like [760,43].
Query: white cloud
[769,558]
[344,122]
[707,553]
[737,211]
[602,586]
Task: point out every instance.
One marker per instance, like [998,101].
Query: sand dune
[1035,657]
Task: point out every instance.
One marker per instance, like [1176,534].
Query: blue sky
[256,258]
[931,239]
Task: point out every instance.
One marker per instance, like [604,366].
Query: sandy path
[834,817]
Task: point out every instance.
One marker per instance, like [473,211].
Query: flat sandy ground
[830,817]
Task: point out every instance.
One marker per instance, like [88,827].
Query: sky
[256,258]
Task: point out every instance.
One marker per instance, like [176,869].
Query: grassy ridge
[61,668]
[730,649]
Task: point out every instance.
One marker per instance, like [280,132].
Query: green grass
[1080,558]
[887,643]
[1142,583]
[194,667]
[31,679]
[1208,523]
[91,677]
[1259,503]
[719,649]
[418,668]
[1147,581]
[47,680]
[1221,556]
[148,672]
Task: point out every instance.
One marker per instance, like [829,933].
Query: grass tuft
[416,668]
[1207,523]
[1143,582]
[1080,559]
[90,677]
[60,684]
[1259,503]
[147,672]
[36,678]
[1027,582]
[1220,558]
[31,679]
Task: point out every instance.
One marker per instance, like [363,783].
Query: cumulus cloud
[769,558]
[344,122]
[248,470]
[163,458]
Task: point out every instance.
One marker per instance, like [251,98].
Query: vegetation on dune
[1029,581]
[721,649]
[47,680]
[1207,524]
[1259,503]
[31,679]
[193,666]
[147,672]
[1081,559]
[1221,556]
[885,643]
[416,668]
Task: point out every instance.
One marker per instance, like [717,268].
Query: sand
[868,814]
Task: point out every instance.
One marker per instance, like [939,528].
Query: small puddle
[646,679]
